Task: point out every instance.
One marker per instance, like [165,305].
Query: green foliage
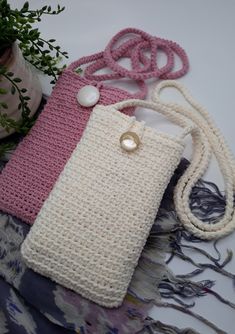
[6,148]
[17,25]
[25,123]
[45,55]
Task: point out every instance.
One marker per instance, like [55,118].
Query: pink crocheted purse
[28,178]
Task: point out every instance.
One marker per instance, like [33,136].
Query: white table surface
[205,29]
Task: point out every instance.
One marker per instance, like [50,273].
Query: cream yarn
[210,141]
[92,228]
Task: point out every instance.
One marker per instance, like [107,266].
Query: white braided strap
[206,141]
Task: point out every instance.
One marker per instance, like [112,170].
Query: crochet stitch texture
[28,178]
[36,164]
[92,228]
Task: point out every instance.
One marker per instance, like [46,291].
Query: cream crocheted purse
[92,228]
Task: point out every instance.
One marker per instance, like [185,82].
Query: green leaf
[4,105]
[19,106]
[6,147]
[78,70]
[49,9]
[2,69]
[23,90]
[34,31]
[22,20]
[40,43]
[10,74]
[32,14]
[25,7]
[3,91]
[13,90]
[17,80]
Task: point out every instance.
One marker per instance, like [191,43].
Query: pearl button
[88,96]
[129,141]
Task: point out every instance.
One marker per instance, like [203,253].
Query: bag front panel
[91,230]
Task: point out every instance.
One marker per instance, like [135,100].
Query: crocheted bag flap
[92,228]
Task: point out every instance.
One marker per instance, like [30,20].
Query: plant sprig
[43,54]
[6,148]
[16,25]
[21,126]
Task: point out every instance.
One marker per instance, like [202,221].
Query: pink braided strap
[142,67]
[97,63]
[134,49]
[168,47]
[127,49]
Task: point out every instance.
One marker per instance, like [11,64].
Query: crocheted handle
[208,141]
[98,63]
[180,120]
[134,49]
[155,44]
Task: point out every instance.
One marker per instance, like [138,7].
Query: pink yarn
[169,47]
[29,176]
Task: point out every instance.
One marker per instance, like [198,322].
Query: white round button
[129,141]
[88,96]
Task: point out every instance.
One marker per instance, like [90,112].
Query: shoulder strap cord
[211,135]
[96,62]
[207,139]
[142,67]
[155,44]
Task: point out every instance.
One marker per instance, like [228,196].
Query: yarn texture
[30,175]
[28,178]
[92,228]
[207,141]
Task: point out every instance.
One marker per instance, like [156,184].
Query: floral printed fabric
[19,317]
[31,303]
